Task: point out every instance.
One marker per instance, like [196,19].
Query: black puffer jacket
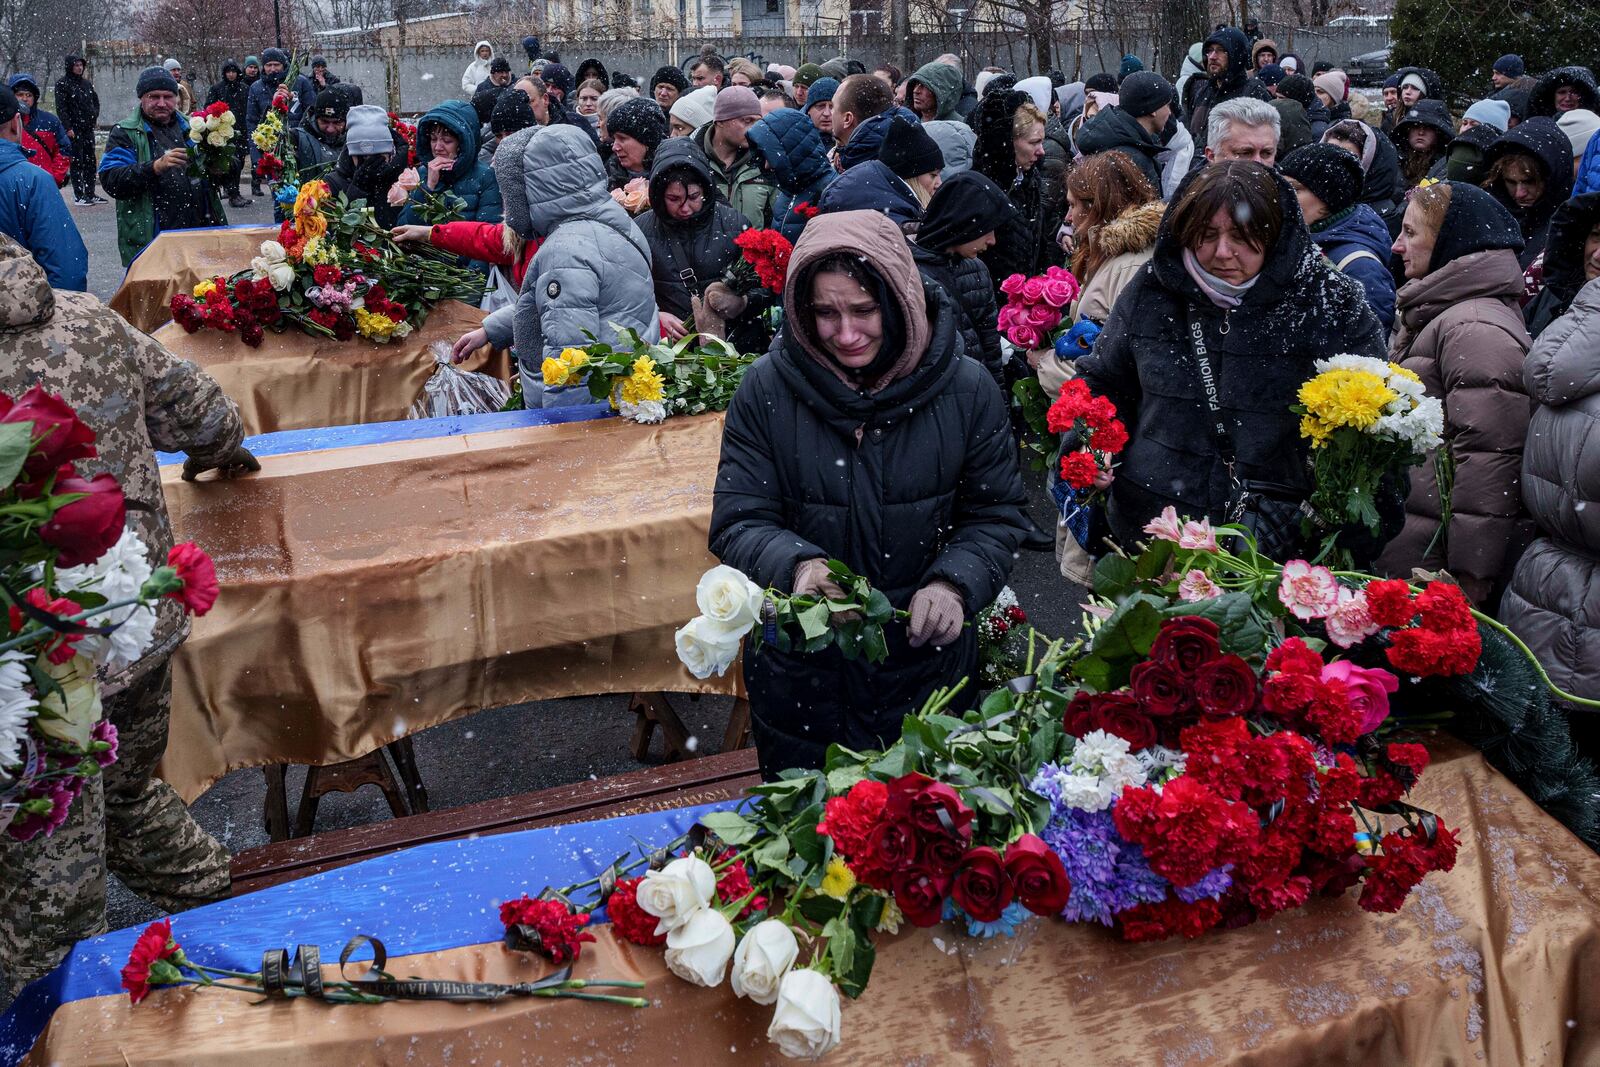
[78,105]
[369,178]
[1300,309]
[1236,81]
[1114,130]
[967,283]
[687,256]
[915,482]
[1542,139]
[1564,272]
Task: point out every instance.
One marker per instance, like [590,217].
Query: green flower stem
[248,976]
[585,983]
[603,998]
[1537,666]
[32,636]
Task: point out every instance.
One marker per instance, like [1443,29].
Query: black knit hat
[155,79]
[1474,222]
[512,112]
[1299,88]
[1430,113]
[1331,174]
[1101,83]
[1144,92]
[558,78]
[964,208]
[672,76]
[908,150]
[336,100]
[484,99]
[639,118]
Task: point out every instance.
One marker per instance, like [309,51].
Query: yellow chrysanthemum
[555,371]
[1316,430]
[1336,398]
[372,325]
[838,880]
[318,251]
[204,289]
[1397,371]
[644,383]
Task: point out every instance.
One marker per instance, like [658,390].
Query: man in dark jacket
[1296,129]
[690,230]
[320,138]
[1133,126]
[78,105]
[960,223]
[872,186]
[321,77]
[1227,75]
[146,169]
[234,91]
[274,68]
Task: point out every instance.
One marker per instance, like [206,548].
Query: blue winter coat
[867,138]
[791,148]
[471,180]
[1358,232]
[33,212]
[259,101]
[872,186]
[1589,170]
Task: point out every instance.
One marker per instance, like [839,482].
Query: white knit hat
[1579,125]
[696,108]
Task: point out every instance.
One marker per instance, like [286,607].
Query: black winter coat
[915,483]
[78,105]
[967,283]
[1300,310]
[1236,81]
[1114,130]
[372,181]
[685,257]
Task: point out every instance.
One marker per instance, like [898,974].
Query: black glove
[241,462]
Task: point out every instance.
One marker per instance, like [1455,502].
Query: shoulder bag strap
[1357,254]
[1220,434]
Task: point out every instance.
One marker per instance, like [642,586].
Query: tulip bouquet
[332,272]
[211,141]
[1035,306]
[81,596]
[732,607]
[646,381]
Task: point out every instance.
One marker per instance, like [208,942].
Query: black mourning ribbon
[282,976]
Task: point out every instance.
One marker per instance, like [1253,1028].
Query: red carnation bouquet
[764,264]
[1094,423]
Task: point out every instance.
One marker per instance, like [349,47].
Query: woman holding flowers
[1458,327]
[1235,270]
[863,436]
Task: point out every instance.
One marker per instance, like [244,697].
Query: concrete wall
[429,74]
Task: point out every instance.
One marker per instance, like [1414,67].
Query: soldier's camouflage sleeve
[185,410]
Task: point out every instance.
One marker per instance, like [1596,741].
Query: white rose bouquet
[732,607]
[211,147]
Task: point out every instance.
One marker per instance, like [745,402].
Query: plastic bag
[453,391]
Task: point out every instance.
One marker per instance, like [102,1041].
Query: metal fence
[429,74]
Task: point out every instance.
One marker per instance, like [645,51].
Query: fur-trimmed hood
[1132,231]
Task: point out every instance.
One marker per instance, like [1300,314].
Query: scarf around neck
[1223,294]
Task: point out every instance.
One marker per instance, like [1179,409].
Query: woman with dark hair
[1530,173]
[864,436]
[1459,329]
[1421,137]
[1009,148]
[1229,316]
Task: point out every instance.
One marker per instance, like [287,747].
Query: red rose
[1078,469]
[892,846]
[1079,717]
[937,809]
[920,894]
[1389,603]
[199,576]
[252,334]
[982,887]
[1124,717]
[1185,643]
[1224,687]
[59,436]
[942,853]
[1160,689]
[86,528]
[1038,874]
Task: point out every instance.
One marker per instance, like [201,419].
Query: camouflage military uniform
[138,398]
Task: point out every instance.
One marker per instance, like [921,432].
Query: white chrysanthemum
[1106,757]
[1348,361]
[17,705]
[1085,792]
[117,575]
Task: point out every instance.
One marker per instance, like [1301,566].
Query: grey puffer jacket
[591,272]
[1554,600]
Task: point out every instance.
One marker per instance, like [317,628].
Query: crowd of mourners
[1254,209]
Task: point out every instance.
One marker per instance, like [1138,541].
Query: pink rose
[1309,592]
[1043,317]
[1368,689]
[1032,290]
[1024,336]
[1057,293]
[1012,285]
